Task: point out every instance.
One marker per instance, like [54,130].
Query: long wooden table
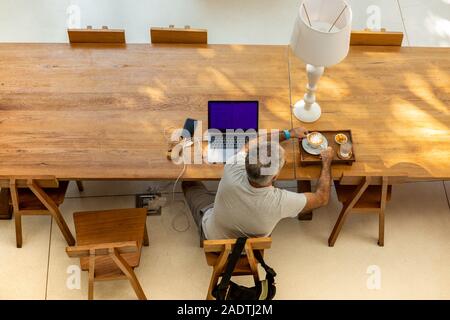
[396,101]
[105,111]
[100,111]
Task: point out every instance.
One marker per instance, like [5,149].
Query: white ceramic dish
[314,151]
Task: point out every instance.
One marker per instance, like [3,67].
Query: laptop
[230,124]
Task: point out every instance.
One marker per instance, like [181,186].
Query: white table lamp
[321,38]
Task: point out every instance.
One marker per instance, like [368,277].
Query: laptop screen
[223,115]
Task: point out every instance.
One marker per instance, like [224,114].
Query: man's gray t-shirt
[243,210]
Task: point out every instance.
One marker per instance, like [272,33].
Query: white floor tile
[23,272]
[427,23]
[230,21]
[366,14]
[413,262]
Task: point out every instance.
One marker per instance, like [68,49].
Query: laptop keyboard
[229,142]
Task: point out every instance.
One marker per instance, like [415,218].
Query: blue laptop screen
[223,115]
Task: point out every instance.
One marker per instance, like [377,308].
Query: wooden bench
[376,38]
[90,35]
[179,35]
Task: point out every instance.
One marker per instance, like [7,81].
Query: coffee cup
[315,139]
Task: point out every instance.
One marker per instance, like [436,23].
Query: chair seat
[371,197]
[29,201]
[105,268]
[119,225]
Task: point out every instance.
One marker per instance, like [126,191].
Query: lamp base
[304,114]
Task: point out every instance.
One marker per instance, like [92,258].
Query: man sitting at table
[247,204]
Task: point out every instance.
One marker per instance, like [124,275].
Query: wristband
[287,134]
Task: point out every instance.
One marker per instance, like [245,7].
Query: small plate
[335,138]
[314,151]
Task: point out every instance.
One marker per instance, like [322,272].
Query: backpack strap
[231,264]
[270,272]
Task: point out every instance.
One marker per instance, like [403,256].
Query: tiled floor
[23,272]
[413,264]
[426,23]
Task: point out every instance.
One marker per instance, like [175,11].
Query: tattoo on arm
[324,184]
[322,195]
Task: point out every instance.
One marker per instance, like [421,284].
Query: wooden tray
[307,159]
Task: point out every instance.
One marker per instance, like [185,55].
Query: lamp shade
[313,41]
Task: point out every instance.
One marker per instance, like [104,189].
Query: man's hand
[327,155]
[298,133]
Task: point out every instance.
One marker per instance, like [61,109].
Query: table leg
[80,185]
[302,187]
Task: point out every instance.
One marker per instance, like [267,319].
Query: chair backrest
[373,180]
[179,35]
[376,38]
[102,249]
[90,35]
[105,262]
[213,248]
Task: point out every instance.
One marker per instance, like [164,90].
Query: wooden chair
[37,196]
[103,35]
[376,38]
[109,245]
[363,195]
[217,252]
[179,35]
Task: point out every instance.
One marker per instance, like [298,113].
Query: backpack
[228,290]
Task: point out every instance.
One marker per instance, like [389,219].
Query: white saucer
[314,151]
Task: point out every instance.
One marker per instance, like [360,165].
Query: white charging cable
[186,144]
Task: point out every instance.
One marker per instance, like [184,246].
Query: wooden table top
[395,100]
[99,111]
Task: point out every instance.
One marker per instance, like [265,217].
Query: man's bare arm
[321,197]
[280,136]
